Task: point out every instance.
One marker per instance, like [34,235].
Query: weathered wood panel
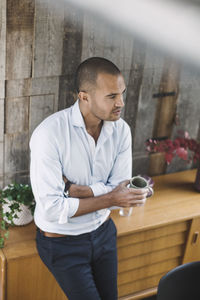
[188,106]
[48,44]
[71,58]
[16,152]
[2,39]
[100,39]
[19,38]
[2,89]
[40,108]
[146,109]
[67,94]
[19,177]
[165,112]
[17,109]
[43,101]
[72,40]
[134,85]
[166,107]
[188,112]
[18,88]
[1,120]
[45,86]
[1,157]
[2,82]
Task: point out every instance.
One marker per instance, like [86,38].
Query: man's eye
[112,97]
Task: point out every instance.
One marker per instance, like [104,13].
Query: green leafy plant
[14,195]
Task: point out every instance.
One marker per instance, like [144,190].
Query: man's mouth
[118,111]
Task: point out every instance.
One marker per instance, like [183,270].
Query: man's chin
[115,118]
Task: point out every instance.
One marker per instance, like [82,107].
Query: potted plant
[16,207]
[182,146]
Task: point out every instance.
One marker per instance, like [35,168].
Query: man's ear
[83,96]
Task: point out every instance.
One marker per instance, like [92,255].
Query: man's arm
[120,196]
[79,191]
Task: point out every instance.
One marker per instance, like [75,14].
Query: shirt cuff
[70,208]
[100,188]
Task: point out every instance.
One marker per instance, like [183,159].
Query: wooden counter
[156,238]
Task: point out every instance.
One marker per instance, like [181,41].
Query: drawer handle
[195,237]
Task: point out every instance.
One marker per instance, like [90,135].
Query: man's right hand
[126,197]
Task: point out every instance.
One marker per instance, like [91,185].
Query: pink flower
[182,153]
[180,146]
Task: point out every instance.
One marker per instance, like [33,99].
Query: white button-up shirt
[60,145]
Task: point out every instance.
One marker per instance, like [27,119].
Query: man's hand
[125,197]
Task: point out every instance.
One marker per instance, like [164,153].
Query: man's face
[106,98]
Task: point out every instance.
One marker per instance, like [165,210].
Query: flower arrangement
[182,146]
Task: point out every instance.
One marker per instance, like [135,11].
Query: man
[81,161]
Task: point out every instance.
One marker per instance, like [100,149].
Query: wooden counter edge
[140,295]
[2,276]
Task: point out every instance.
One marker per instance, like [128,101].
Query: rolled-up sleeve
[122,168]
[47,180]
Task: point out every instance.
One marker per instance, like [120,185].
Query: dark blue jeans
[85,266]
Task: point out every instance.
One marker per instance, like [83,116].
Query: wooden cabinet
[156,238]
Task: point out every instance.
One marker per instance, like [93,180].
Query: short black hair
[89,69]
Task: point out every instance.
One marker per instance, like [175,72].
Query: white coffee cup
[136,182]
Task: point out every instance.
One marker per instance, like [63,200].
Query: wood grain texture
[20,234]
[140,295]
[18,176]
[1,158]
[16,152]
[134,86]
[72,39]
[101,39]
[140,285]
[166,107]
[40,108]
[165,112]
[147,104]
[46,86]
[71,57]
[152,234]
[3,269]
[139,261]
[18,88]
[193,242]
[19,38]
[1,121]
[188,111]
[2,40]
[48,38]
[147,271]
[2,89]
[38,280]
[2,84]
[146,110]
[151,246]
[17,109]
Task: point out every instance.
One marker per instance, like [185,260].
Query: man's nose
[119,102]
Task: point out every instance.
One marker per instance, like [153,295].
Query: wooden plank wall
[41,44]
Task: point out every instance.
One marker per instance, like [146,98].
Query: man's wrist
[67,187]
[80,191]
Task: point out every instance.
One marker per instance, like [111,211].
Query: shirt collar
[77,119]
